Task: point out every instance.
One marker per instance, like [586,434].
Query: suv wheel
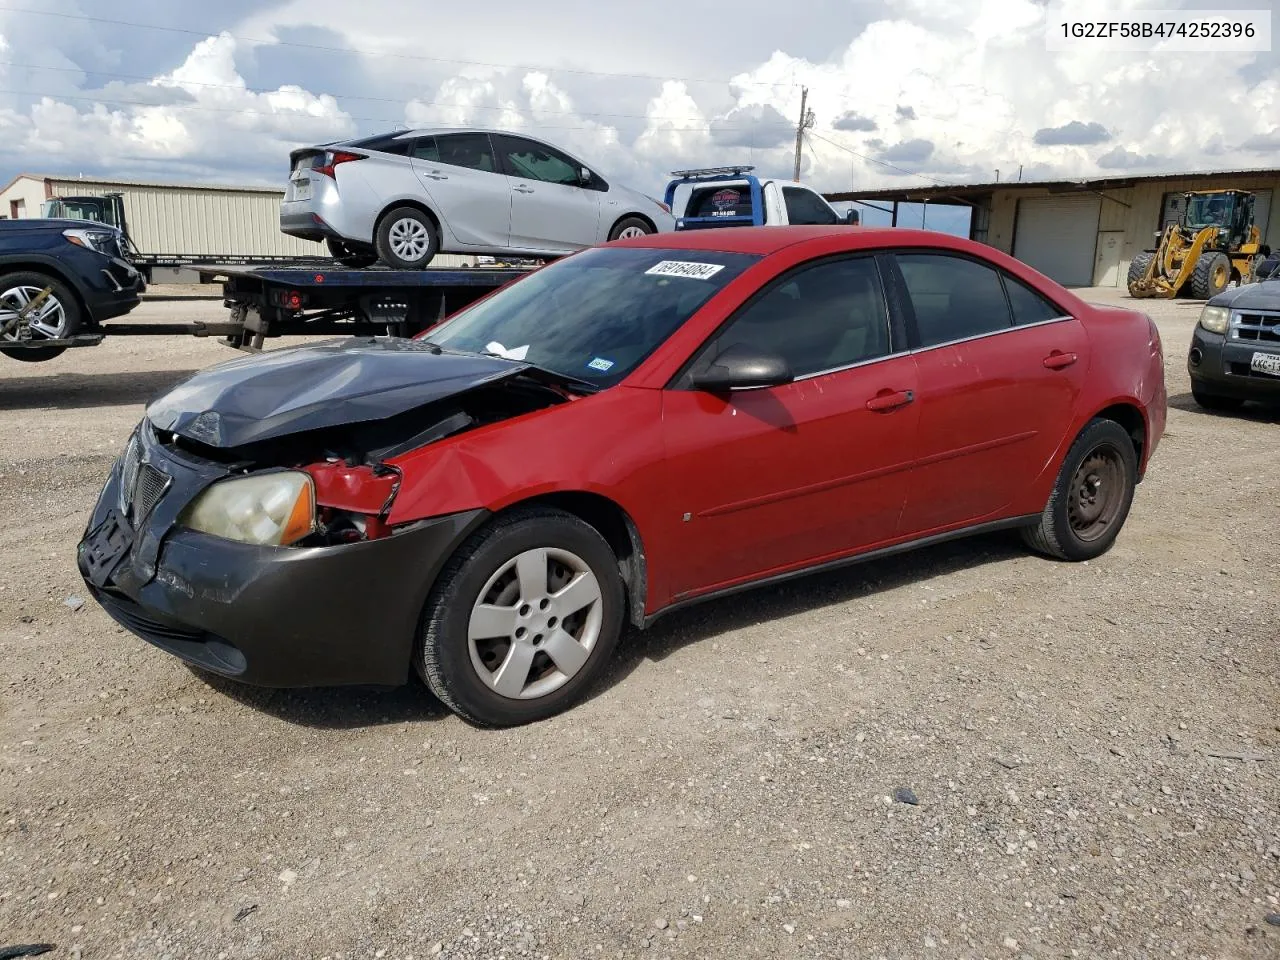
[56,317]
[406,239]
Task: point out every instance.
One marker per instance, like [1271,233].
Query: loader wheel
[1210,277]
[1137,270]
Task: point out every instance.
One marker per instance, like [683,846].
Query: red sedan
[631,429]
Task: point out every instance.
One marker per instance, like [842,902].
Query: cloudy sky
[903,92]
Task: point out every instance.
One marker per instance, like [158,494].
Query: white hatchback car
[404,197]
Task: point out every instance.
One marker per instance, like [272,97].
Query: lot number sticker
[683,268]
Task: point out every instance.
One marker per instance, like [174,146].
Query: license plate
[1266,363]
[302,189]
[106,545]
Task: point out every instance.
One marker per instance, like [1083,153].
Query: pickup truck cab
[733,197]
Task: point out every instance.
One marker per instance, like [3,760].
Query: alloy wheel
[47,321]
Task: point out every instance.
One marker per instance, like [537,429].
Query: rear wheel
[629,227]
[1215,402]
[35,307]
[523,619]
[1138,269]
[1211,275]
[349,255]
[1091,497]
[406,239]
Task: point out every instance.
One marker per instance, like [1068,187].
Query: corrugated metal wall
[185,220]
[1137,213]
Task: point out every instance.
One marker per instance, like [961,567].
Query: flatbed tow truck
[306,301]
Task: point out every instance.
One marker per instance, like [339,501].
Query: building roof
[120,182]
[1087,185]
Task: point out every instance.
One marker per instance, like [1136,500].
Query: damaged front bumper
[272,616]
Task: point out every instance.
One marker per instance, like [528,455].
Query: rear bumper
[297,219]
[1220,366]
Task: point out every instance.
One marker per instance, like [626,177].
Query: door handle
[885,401]
[437,175]
[1059,360]
[523,189]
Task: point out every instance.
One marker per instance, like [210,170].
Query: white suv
[404,197]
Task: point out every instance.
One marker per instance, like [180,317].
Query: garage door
[1057,235]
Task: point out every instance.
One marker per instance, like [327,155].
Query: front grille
[1257,327]
[129,473]
[148,490]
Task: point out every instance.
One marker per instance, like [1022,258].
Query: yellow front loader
[1215,242]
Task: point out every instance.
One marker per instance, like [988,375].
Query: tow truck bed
[306,300]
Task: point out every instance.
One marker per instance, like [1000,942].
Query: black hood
[1250,296]
[321,385]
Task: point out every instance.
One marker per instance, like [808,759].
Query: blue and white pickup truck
[714,197]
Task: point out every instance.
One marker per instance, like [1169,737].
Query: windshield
[596,315]
[1206,211]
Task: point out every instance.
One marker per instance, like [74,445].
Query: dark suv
[59,279]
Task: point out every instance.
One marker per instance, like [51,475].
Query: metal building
[184,219]
[1083,232]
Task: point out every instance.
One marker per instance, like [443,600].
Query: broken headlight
[269,509]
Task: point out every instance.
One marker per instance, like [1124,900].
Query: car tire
[406,239]
[1212,275]
[629,227]
[1215,402]
[349,255]
[1138,269]
[70,317]
[541,666]
[1091,496]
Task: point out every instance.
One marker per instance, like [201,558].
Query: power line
[108,101]
[209,34]
[883,163]
[344,96]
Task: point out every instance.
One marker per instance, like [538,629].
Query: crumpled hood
[329,384]
[1251,296]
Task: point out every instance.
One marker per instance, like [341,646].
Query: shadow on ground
[1255,412]
[76,390]
[353,708]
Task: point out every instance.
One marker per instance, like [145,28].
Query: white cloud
[946,89]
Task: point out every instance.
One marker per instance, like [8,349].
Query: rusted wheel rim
[1096,493]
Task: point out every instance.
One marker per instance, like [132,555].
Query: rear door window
[953,298]
[470,150]
[424,148]
[1028,306]
[805,206]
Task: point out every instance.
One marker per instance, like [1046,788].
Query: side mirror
[584,177]
[851,218]
[740,367]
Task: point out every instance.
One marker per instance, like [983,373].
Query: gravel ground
[966,752]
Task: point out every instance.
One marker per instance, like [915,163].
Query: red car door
[996,397]
[768,479]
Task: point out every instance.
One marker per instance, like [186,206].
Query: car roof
[766,240]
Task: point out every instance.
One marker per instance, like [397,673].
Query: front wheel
[35,307]
[629,227]
[523,619]
[1091,497]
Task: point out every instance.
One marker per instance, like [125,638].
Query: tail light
[334,158]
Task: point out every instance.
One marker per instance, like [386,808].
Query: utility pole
[806,121]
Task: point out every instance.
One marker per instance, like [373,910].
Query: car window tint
[424,148]
[805,206]
[470,150]
[953,298]
[720,201]
[535,161]
[819,318]
[1028,306]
